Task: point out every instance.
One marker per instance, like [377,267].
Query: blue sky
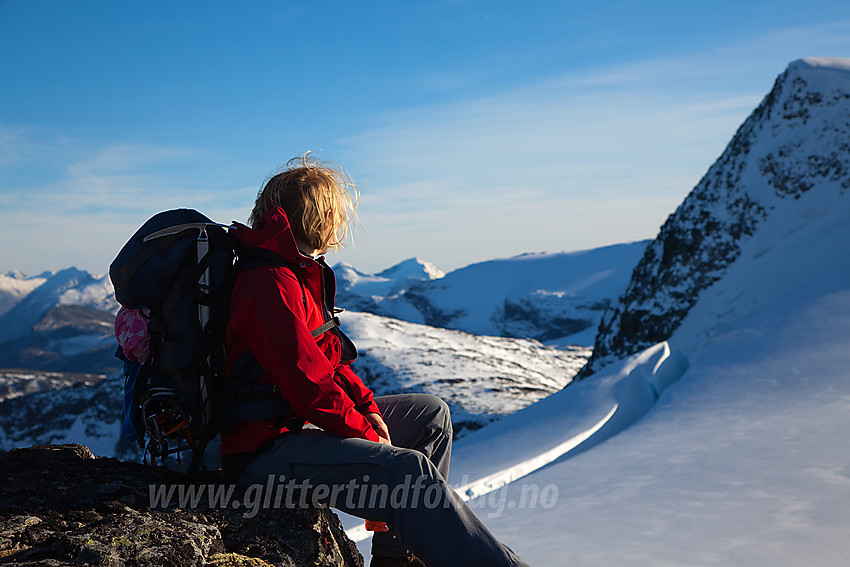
[475,130]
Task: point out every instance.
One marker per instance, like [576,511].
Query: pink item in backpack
[131,330]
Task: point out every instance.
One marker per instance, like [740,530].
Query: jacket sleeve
[269,313]
[358,391]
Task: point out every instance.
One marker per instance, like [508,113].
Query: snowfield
[743,462]
[744,459]
[481,378]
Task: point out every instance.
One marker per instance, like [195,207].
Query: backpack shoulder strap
[256,257]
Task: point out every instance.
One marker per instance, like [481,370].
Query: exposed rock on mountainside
[59,505]
[796,141]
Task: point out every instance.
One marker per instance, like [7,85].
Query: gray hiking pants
[402,485]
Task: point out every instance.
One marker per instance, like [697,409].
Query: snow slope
[742,461]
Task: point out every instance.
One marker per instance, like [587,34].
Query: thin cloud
[128,157]
[98,198]
[112,177]
[553,139]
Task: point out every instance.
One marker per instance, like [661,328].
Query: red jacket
[272,312]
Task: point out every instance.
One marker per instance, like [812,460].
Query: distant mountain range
[57,345]
[14,286]
[63,322]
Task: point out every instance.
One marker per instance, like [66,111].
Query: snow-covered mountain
[796,143]
[393,280]
[64,324]
[553,297]
[14,286]
[357,291]
[67,287]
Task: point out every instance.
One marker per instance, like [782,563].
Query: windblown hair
[319,199]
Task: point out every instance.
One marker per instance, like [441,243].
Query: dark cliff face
[796,141]
[59,505]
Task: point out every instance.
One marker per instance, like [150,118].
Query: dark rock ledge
[60,505]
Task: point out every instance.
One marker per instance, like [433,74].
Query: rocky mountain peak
[797,141]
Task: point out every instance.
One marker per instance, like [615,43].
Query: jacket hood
[272,232]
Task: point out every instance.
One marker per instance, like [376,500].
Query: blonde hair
[319,199]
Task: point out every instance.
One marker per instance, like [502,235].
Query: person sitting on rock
[384,459]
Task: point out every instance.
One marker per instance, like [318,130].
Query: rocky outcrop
[60,505]
[796,141]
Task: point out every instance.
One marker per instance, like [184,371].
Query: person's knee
[409,462]
[437,408]
[442,414]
